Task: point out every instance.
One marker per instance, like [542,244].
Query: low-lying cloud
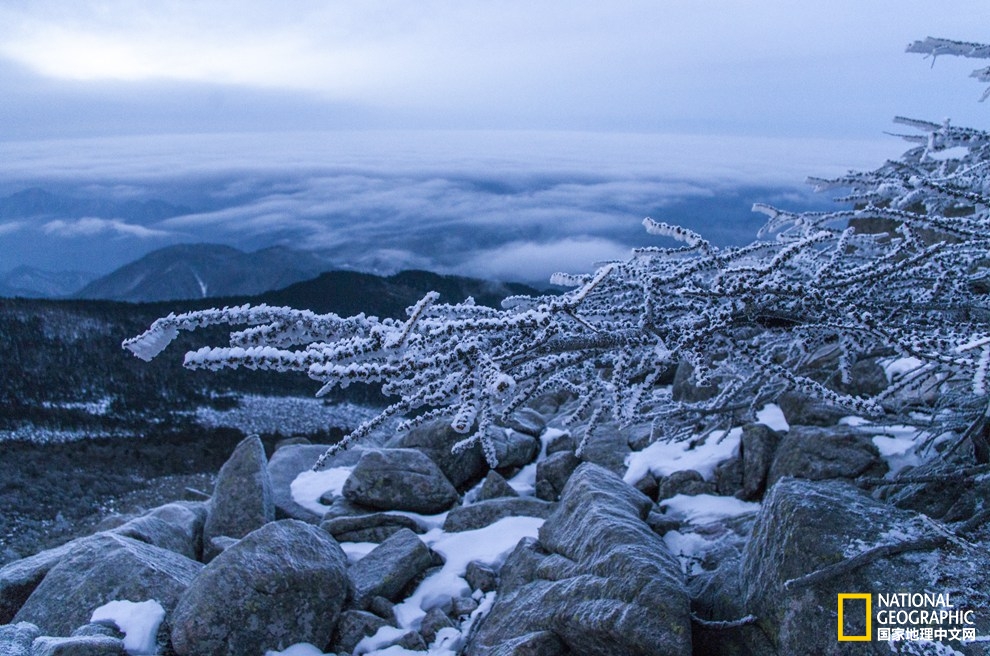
[511,206]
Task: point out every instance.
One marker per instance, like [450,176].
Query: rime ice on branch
[903,273]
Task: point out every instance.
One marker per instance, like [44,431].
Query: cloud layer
[506,205]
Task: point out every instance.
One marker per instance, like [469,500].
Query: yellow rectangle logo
[869,617]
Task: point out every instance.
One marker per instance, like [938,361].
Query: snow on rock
[772,417]
[309,486]
[298,649]
[489,545]
[900,366]
[139,621]
[702,508]
[664,458]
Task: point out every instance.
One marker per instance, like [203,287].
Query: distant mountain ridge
[190,271]
[29,282]
[36,202]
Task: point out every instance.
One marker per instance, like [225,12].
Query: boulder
[389,567]
[945,495]
[290,461]
[729,477]
[16,639]
[435,440]
[485,513]
[561,442]
[608,446]
[807,526]
[243,499]
[104,568]
[352,628]
[495,486]
[685,481]
[607,585]
[481,577]
[78,646]
[527,421]
[374,527]
[177,527]
[434,621]
[552,473]
[512,448]
[822,453]
[19,578]
[281,584]
[399,479]
[757,448]
[802,410]
[717,596]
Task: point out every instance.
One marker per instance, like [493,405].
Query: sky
[521,131]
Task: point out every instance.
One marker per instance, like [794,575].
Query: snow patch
[900,366]
[703,508]
[309,486]
[665,458]
[773,418]
[299,649]
[138,620]
[490,545]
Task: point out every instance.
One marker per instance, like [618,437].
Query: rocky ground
[738,544]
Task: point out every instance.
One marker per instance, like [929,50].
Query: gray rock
[19,578]
[481,577]
[99,628]
[341,507]
[78,646]
[866,378]
[433,622]
[281,584]
[177,527]
[383,608]
[821,453]
[538,643]
[729,477]
[389,567]
[374,527]
[243,499]
[486,513]
[615,588]
[562,442]
[411,640]
[290,461]
[758,447]
[435,440]
[661,523]
[352,628]
[290,441]
[686,481]
[528,421]
[100,569]
[462,607]
[717,596]
[801,410]
[805,526]
[495,486]
[552,473]
[399,479]
[16,639]
[946,496]
[513,449]
[608,447]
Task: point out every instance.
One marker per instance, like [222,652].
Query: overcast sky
[763,67]
[480,137]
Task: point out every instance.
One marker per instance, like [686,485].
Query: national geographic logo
[903,616]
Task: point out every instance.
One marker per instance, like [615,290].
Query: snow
[702,508]
[772,417]
[665,458]
[309,486]
[138,620]
[689,548]
[298,649]
[489,545]
[900,366]
[355,551]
